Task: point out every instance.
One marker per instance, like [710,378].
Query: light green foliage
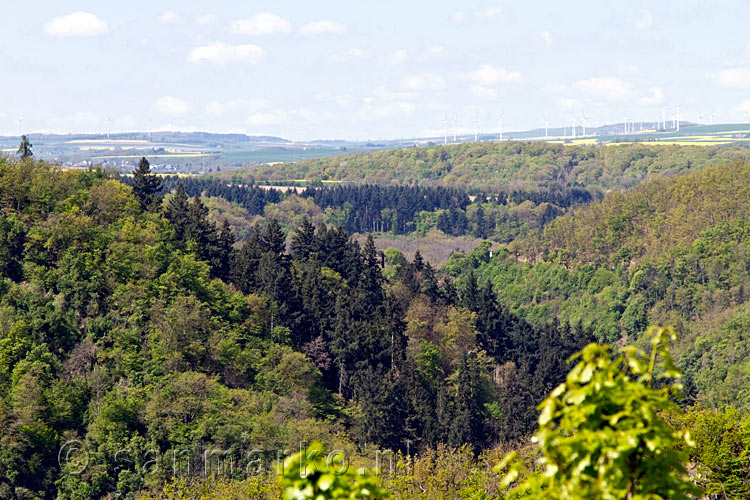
[310,474]
[215,489]
[602,434]
[722,450]
[489,165]
[445,474]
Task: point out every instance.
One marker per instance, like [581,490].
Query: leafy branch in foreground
[602,434]
[312,475]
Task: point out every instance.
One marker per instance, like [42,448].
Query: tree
[372,278]
[25,148]
[602,433]
[226,251]
[146,186]
[467,425]
[311,475]
[177,213]
[418,261]
[303,241]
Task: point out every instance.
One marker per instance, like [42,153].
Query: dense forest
[134,324]
[398,210]
[672,251]
[139,325]
[496,167]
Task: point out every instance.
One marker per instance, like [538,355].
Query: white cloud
[169,17]
[483,92]
[546,38]
[234,106]
[76,24]
[425,81]
[206,19]
[348,55]
[262,24]
[397,57]
[221,54]
[487,13]
[325,27]
[434,52]
[607,87]
[733,77]
[169,105]
[656,97]
[494,11]
[488,75]
[644,21]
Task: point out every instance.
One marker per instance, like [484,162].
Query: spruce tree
[418,261]
[25,148]
[468,425]
[226,251]
[146,186]
[177,214]
[273,239]
[303,241]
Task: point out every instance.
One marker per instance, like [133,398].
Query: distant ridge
[156,135]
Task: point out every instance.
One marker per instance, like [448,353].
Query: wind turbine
[712,117]
[149,129]
[626,125]
[664,117]
[678,118]
[574,127]
[500,117]
[584,118]
[109,122]
[445,129]
[476,124]
[454,130]
[20,126]
[546,123]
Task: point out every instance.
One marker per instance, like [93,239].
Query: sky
[367,70]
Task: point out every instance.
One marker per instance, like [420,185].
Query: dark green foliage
[25,149]
[146,186]
[177,213]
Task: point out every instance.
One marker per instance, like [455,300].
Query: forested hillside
[494,167]
[672,251]
[141,333]
[134,326]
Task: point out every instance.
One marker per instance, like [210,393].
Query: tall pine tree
[146,186]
